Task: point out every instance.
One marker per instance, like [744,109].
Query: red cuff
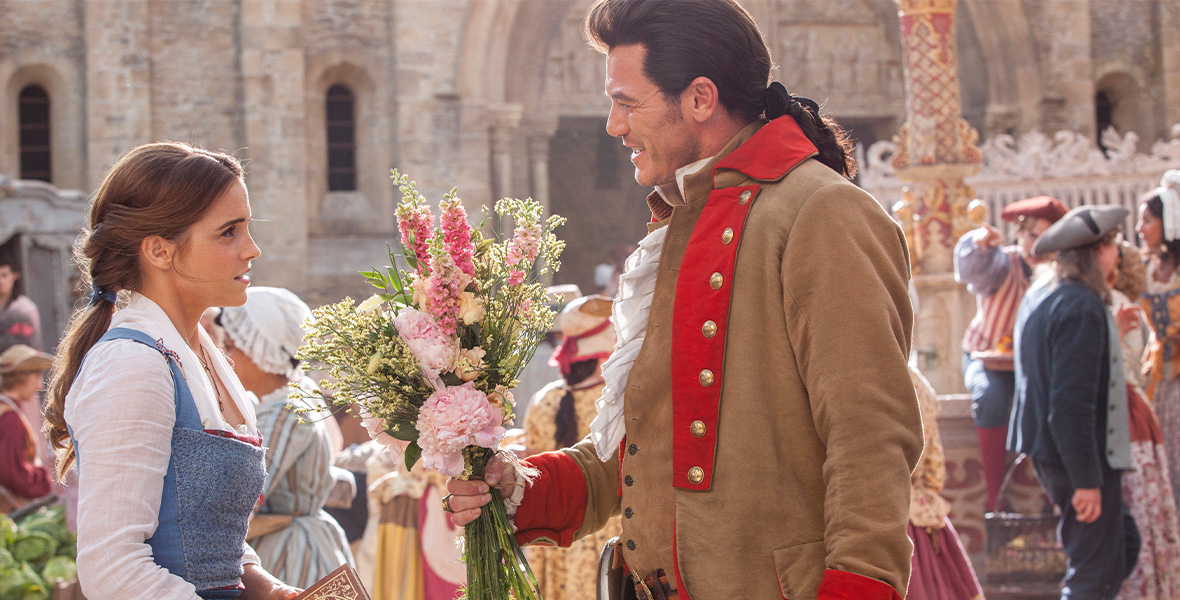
[842,585]
[553,507]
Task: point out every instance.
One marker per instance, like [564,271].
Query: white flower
[372,306]
[471,308]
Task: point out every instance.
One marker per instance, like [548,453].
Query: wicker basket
[1023,548]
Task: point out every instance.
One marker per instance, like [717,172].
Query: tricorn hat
[1042,207]
[1079,227]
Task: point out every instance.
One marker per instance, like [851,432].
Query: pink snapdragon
[435,350]
[446,284]
[417,221]
[376,428]
[452,419]
[457,235]
[525,244]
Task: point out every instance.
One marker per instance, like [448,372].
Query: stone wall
[470,93]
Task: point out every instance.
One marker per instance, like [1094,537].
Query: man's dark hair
[717,39]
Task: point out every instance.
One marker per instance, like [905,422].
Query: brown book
[341,584]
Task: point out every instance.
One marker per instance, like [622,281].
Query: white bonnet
[1169,193]
[268,328]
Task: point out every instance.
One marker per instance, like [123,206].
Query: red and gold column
[936,148]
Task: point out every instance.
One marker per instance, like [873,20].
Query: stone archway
[541,94]
[1010,60]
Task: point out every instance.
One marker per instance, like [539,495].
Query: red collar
[771,152]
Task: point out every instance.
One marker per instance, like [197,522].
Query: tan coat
[818,428]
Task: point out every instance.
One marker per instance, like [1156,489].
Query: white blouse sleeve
[122,411]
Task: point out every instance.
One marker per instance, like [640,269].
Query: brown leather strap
[655,587]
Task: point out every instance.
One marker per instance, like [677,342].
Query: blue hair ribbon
[98,295]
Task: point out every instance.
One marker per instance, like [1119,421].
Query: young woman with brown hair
[170,464]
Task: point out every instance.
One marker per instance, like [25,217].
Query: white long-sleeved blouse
[121,409]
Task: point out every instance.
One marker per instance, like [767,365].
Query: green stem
[496,565]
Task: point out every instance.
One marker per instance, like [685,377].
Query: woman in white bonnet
[295,539]
[1159,230]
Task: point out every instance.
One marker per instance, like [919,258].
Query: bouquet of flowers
[432,358]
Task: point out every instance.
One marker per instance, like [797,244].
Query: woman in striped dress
[294,537]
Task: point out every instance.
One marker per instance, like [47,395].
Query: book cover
[341,584]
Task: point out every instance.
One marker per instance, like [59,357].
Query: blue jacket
[1064,412]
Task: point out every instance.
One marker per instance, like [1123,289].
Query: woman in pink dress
[1147,488]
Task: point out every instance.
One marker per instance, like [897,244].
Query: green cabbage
[7,531]
[22,583]
[69,549]
[33,546]
[59,568]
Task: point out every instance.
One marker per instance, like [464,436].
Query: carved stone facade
[477,93]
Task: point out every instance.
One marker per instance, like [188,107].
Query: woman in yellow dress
[558,416]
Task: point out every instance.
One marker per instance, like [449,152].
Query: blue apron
[211,488]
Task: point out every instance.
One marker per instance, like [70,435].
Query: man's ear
[700,100]
[158,252]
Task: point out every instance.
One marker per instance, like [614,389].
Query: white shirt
[122,462]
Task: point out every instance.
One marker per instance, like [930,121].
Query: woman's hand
[261,585]
[1127,318]
[466,497]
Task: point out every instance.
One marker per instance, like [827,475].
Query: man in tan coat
[759,426]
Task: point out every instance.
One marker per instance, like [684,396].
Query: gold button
[745,197]
[709,329]
[696,475]
[716,280]
[697,429]
[727,235]
[706,378]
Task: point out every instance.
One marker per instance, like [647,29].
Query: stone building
[497,97]
[501,98]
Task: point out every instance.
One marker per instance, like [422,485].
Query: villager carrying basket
[1023,549]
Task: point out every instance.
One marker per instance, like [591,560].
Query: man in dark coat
[1070,413]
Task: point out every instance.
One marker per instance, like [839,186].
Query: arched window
[341,122]
[1103,115]
[34,133]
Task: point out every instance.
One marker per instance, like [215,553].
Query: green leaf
[404,431]
[413,453]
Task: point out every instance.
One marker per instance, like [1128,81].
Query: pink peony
[376,428]
[452,419]
[435,350]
